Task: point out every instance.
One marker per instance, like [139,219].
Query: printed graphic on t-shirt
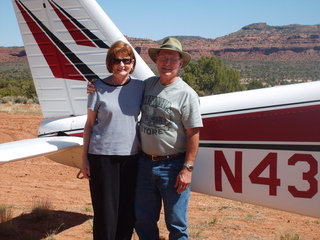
[156,115]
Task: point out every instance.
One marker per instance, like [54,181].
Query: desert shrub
[40,209]
[20,100]
[7,100]
[7,227]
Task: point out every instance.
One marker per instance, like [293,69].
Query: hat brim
[185,56]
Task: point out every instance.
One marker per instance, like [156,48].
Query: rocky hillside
[12,54]
[255,42]
[258,42]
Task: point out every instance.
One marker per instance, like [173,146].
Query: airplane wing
[66,147]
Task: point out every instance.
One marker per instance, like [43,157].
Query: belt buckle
[152,158]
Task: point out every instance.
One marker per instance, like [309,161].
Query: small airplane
[259,146]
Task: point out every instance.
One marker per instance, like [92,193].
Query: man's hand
[183,180]
[184,177]
[91,87]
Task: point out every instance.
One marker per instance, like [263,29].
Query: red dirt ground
[25,183]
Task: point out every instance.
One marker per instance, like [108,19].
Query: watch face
[189,167]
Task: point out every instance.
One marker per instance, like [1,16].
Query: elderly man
[169,132]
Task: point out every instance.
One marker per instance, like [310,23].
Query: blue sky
[206,18]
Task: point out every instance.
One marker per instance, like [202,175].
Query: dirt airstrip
[24,184]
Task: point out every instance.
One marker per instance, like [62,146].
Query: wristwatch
[188,166]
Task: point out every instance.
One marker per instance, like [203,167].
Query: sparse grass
[7,227]
[52,233]
[51,236]
[5,213]
[91,225]
[289,236]
[40,209]
[213,221]
[88,208]
[195,233]
[250,217]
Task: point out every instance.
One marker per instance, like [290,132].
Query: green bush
[210,75]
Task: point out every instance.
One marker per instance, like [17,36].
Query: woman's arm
[91,117]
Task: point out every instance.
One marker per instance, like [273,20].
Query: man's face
[168,63]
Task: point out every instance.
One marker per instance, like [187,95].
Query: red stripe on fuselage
[77,134]
[78,36]
[60,66]
[299,124]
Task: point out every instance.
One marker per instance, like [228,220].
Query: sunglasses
[125,60]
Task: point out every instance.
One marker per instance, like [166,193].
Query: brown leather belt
[163,158]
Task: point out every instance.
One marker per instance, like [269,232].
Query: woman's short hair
[121,47]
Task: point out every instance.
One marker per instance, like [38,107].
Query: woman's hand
[86,169]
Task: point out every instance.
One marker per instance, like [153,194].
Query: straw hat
[170,44]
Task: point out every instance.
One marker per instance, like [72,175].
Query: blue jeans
[155,184]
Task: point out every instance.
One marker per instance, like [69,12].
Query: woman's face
[122,64]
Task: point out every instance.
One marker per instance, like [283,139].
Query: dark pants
[112,188]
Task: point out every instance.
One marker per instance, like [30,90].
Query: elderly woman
[111,145]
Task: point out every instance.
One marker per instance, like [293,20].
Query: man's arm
[184,178]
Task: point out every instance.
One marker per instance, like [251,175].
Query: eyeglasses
[125,61]
[170,60]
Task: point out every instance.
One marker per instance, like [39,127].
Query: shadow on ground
[29,227]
